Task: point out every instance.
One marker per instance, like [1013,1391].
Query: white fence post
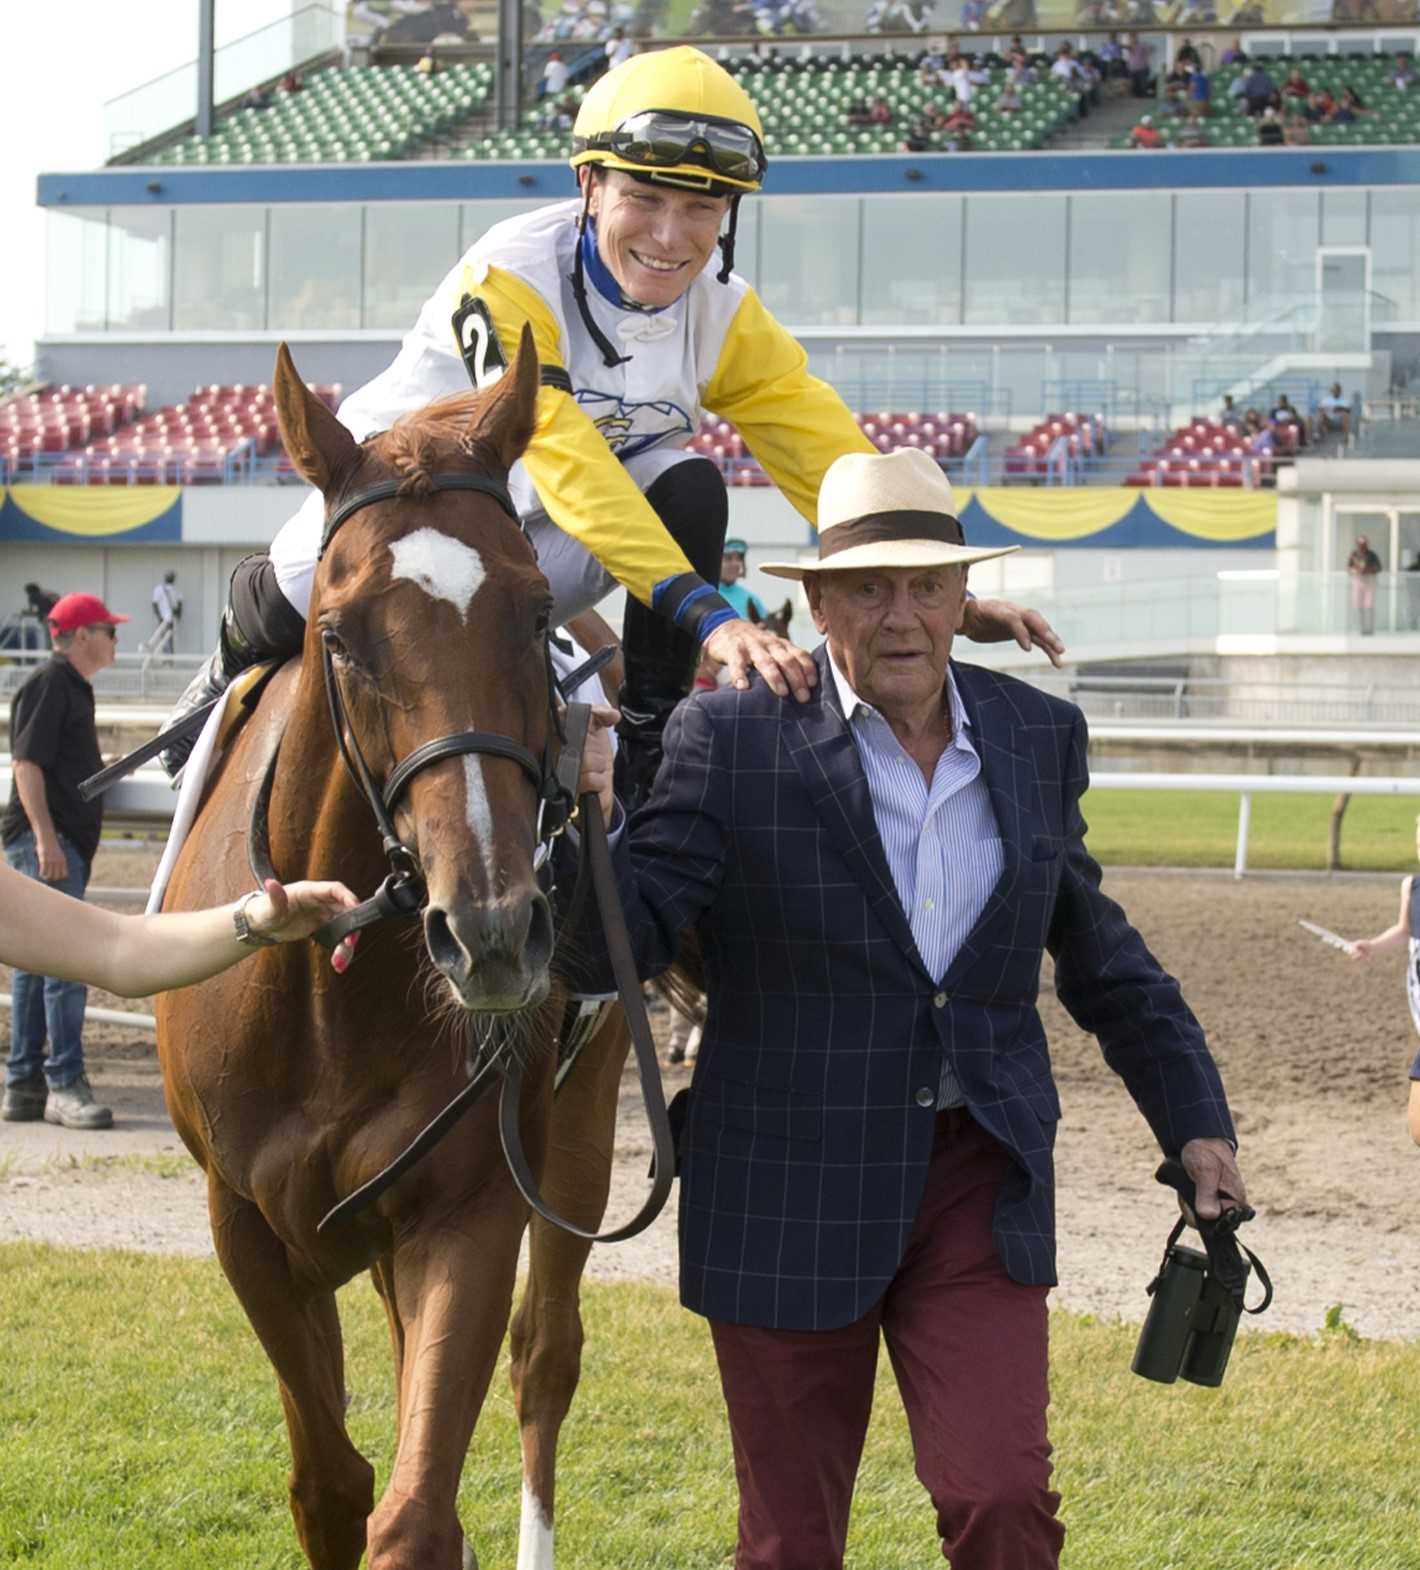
[1244,818]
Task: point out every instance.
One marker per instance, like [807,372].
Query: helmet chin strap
[610,358]
[727,241]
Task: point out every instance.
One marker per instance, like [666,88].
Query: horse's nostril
[444,948]
[537,948]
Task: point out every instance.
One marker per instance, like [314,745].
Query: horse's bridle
[402,893]
[554,776]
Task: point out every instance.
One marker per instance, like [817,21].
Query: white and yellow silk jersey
[717,348]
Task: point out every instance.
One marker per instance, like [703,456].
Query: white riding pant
[577,579]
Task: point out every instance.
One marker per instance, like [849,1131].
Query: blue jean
[43,1006]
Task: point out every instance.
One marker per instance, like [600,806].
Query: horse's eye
[332,640]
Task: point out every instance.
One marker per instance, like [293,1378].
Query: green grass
[1165,828]
[139,1430]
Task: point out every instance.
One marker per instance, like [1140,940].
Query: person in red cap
[51,834]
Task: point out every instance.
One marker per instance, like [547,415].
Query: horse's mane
[442,436]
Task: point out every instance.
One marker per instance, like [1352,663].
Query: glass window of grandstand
[1395,250]
[1209,234]
[1015,259]
[1283,232]
[1119,256]
[220,280]
[315,267]
[809,260]
[75,270]
[912,260]
[139,268]
[409,246]
[478,218]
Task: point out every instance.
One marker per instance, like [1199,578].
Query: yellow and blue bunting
[87,514]
[1116,517]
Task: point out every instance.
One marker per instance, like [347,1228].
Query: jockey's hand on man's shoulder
[994,621]
[742,647]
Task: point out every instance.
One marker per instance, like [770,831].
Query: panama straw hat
[890,509]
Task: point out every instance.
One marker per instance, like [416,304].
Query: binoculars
[1198,1298]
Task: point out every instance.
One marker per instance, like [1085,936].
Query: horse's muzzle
[494,953]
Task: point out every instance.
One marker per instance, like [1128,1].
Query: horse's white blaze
[444,568]
[534,1535]
[476,808]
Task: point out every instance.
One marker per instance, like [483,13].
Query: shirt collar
[851,702]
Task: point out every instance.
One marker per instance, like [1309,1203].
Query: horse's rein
[401,894]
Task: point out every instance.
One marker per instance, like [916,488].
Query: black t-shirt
[52,724]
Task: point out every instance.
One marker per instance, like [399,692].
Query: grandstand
[1056,321]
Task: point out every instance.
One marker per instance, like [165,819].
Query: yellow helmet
[672,115]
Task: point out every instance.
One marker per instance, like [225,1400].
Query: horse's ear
[318,444]
[752,612]
[786,612]
[506,414]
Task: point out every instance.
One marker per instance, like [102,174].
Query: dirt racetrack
[1314,1050]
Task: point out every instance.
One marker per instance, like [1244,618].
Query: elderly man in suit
[874,874]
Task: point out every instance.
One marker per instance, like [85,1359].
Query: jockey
[638,328]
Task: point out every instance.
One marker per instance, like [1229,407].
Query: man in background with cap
[875,872]
[51,834]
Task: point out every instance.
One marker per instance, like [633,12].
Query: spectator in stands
[292,83]
[1008,100]
[427,65]
[1187,56]
[1403,77]
[1200,91]
[1349,109]
[1363,567]
[1284,412]
[257,98]
[1230,417]
[1146,134]
[880,112]
[1319,107]
[1296,85]
[1258,89]
[1176,82]
[1141,80]
[1295,130]
[1333,413]
[555,75]
[1233,54]
[973,13]
[858,112]
[1111,56]
[959,79]
[1269,129]
[1193,132]
[618,48]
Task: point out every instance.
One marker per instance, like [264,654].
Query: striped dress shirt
[942,842]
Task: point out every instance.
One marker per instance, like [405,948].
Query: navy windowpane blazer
[810,1117]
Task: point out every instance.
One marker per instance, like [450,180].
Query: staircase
[1098,128]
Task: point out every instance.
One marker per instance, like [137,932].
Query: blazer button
[926,1097]
[941,1000]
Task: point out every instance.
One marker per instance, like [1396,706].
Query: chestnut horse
[293,1086]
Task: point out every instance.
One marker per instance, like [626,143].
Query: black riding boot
[258,624]
[691,501]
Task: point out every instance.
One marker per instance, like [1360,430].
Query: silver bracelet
[246,935]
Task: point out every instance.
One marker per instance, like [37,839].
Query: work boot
[24,1101]
[231,656]
[74,1107]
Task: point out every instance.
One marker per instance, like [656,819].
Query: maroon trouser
[969,1349]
